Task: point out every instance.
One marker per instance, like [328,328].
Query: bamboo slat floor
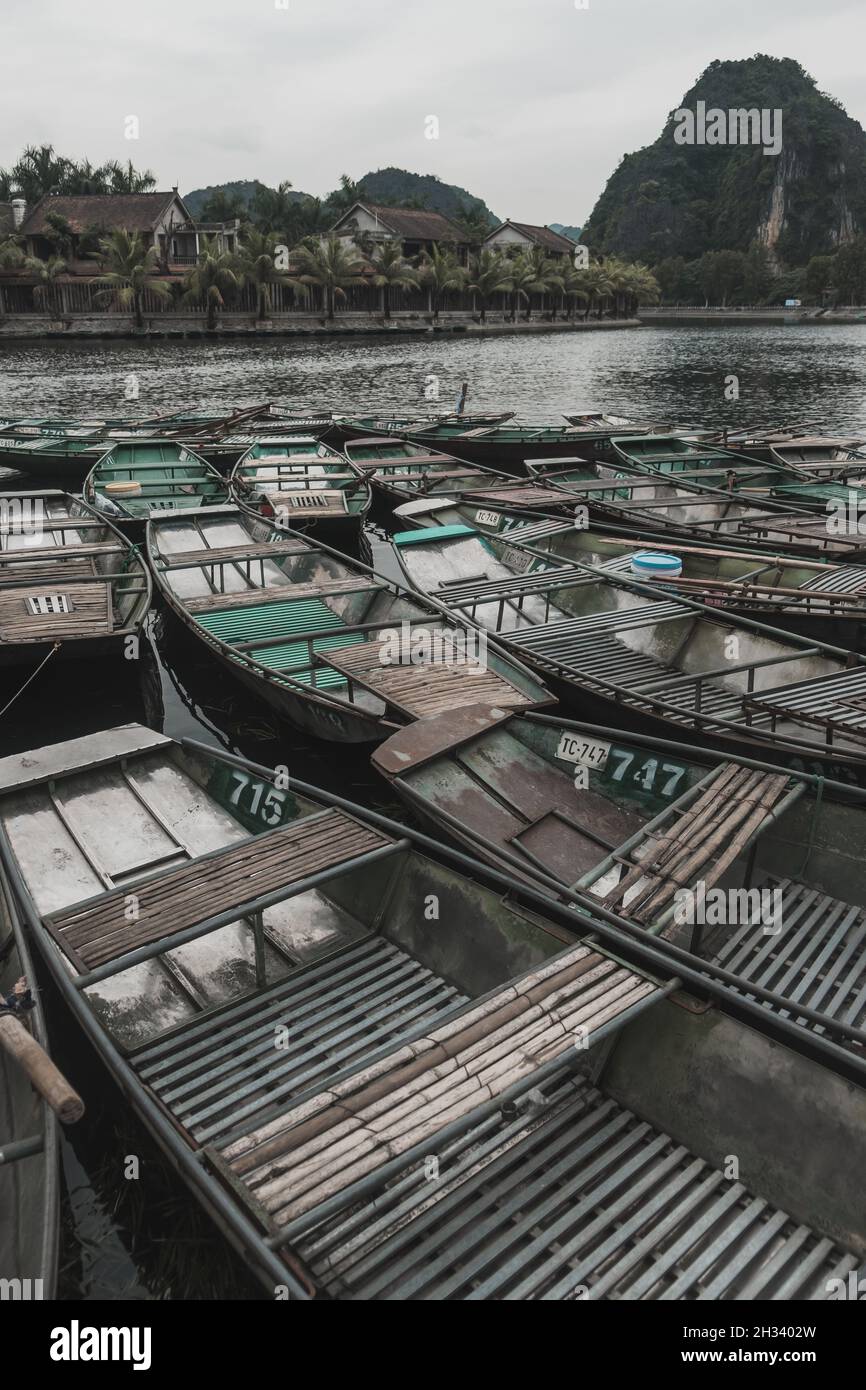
[426,688]
[89,611]
[318,1148]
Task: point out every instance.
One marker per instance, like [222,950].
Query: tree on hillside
[850,268]
[221,206]
[346,195]
[820,277]
[721,275]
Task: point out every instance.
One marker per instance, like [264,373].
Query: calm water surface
[798,372]
[147,1239]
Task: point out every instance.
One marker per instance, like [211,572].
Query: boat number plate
[488,518]
[584,752]
[517,559]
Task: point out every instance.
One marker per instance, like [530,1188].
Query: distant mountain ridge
[671,199]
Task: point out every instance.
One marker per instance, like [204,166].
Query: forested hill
[672,199]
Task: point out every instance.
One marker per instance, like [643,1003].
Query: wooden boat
[301,483]
[70,584]
[698,461]
[505,447]
[312,1005]
[667,507]
[399,472]
[340,651]
[29,1141]
[627,652]
[649,828]
[50,457]
[139,477]
[344,427]
[820,456]
[811,599]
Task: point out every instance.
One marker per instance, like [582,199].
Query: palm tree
[597,285]
[573,287]
[489,274]
[526,279]
[257,262]
[47,274]
[273,209]
[125,178]
[39,172]
[128,271]
[332,266]
[11,254]
[392,270]
[347,195]
[642,287]
[440,271]
[214,277]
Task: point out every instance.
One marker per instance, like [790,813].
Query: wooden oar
[44,1075]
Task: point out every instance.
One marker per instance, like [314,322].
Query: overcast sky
[536,100]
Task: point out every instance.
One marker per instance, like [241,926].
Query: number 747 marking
[646,774]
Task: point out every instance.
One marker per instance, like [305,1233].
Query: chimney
[19,208]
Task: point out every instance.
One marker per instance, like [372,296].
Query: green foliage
[128,270]
[670,200]
[331,266]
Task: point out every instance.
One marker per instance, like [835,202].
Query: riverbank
[27,328]
[715,317]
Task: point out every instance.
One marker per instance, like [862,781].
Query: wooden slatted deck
[832,702]
[91,612]
[815,955]
[575,1197]
[280,593]
[427,688]
[206,556]
[97,931]
[223,1073]
[318,1148]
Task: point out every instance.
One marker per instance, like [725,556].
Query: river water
[145,1239]
[803,372]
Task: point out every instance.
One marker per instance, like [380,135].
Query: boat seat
[282,593]
[96,931]
[317,1149]
[426,688]
[90,611]
[229,554]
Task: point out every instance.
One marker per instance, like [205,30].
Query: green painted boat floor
[291,618]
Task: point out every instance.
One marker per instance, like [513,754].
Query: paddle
[20,1043]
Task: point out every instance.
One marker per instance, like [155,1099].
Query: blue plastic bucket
[654,564]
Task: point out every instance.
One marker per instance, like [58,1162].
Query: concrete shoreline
[19,328]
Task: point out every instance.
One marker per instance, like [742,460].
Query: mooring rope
[55,648]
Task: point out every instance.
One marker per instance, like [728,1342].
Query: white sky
[536,100]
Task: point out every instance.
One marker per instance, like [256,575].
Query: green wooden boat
[343,427]
[51,457]
[671,453]
[399,471]
[141,476]
[338,650]
[515,1092]
[509,446]
[301,483]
